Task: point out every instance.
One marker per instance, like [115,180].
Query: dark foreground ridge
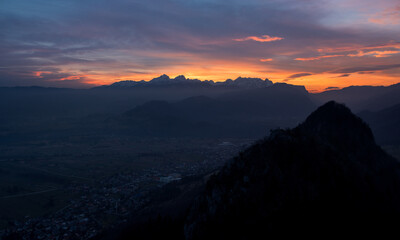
[326,176]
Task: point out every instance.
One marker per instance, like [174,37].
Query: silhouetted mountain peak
[244,82]
[327,173]
[336,123]
[279,85]
[127,83]
[162,78]
[180,78]
[360,98]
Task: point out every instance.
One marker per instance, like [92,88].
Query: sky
[321,44]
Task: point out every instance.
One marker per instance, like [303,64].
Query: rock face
[326,176]
[126,84]
[165,80]
[247,83]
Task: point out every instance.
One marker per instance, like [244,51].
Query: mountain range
[325,177]
[247,113]
[360,98]
[164,80]
[244,107]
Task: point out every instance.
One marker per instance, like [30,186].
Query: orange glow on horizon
[313,83]
[277,69]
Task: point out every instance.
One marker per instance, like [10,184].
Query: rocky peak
[180,78]
[244,82]
[327,173]
[336,123]
[161,79]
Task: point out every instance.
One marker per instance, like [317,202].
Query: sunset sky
[315,43]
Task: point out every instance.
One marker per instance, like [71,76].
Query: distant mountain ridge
[360,98]
[385,124]
[252,102]
[165,80]
[248,113]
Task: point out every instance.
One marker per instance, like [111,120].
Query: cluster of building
[110,201]
[85,217]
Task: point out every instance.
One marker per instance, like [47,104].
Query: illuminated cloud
[367,69]
[392,45]
[378,54]
[266,60]
[361,51]
[390,16]
[263,38]
[318,58]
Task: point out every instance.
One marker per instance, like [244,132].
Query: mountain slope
[246,113]
[279,100]
[326,175]
[360,98]
[385,124]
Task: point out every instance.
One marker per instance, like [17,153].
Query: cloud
[317,58]
[332,88]
[393,45]
[390,16]
[48,77]
[366,72]
[263,38]
[378,54]
[298,75]
[367,69]
[361,53]
[344,75]
[266,60]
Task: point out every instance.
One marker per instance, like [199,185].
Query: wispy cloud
[367,69]
[389,49]
[390,16]
[394,45]
[318,57]
[298,75]
[378,54]
[263,38]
